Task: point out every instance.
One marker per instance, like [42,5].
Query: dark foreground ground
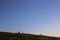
[22,36]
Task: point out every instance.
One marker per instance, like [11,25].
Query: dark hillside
[23,36]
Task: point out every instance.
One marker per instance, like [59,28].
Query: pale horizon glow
[30,16]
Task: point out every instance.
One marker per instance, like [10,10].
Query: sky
[30,16]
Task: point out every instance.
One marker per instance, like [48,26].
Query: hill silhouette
[24,36]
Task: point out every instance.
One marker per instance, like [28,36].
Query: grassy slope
[22,36]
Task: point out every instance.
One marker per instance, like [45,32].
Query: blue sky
[30,16]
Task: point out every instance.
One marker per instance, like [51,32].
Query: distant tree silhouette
[18,32]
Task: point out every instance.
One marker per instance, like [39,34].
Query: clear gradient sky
[30,16]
